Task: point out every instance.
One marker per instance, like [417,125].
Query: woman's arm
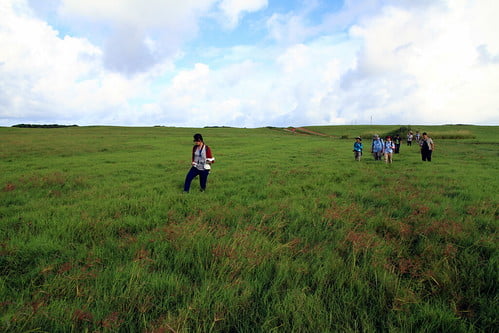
[209,155]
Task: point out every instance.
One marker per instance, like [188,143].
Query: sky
[249,63]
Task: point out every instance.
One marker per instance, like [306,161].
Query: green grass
[292,234]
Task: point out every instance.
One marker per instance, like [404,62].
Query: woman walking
[409,138]
[388,149]
[202,159]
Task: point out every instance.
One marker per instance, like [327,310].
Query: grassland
[292,234]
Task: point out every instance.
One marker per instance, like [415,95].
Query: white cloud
[234,9]
[397,62]
[138,34]
[289,28]
[299,84]
[227,96]
[144,33]
[34,59]
[296,26]
[433,53]
[151,13]
[295,58]
[46,78]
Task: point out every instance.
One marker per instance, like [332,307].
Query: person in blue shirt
[357,148]
[377,147]
[388,149]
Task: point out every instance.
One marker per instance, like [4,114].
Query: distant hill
[42,126]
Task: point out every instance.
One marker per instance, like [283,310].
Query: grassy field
[292,234]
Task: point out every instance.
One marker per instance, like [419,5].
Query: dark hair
[198,137]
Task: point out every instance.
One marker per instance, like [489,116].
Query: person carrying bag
[202,158]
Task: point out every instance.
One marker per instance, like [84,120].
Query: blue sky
[249,63]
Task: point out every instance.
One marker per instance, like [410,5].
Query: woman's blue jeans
[193,172]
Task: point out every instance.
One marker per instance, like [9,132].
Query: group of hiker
[202,157]
[386,148]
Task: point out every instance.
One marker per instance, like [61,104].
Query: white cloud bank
[394,63]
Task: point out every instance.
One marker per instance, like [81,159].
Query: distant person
[409,138]
[388,149]
[357,148]
[397,140]
[418,137]
[427,147]
[202,159]
[377,147]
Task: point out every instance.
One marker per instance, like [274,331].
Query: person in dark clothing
[427,147]
[397,140]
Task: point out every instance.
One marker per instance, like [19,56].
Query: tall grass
[292,235]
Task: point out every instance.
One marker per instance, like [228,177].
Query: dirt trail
[304,130]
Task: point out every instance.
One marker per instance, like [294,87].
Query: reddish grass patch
[9,187]
[352,212]
[450,251]
[143,255]
[223,251]
[82,316]
[406,266]
[112,321]
[361,240]
[66,267]
[420,210]
[55,193]
[406,231]
[443,228]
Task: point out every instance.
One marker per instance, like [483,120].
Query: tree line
[42,126]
